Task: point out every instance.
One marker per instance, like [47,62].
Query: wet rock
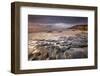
[63,38]
[79,42]
[64,48]
[67,55]
[78,52]
[60,56]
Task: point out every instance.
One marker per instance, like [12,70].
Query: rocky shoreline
[72,47]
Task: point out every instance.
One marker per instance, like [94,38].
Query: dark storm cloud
[56,19]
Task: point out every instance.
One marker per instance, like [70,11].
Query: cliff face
[80,27]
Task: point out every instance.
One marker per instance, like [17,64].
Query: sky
[44,22]
[56,19]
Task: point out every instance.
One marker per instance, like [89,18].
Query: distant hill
[79,27]
[44,28]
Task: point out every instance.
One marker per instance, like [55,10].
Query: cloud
[62,25]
